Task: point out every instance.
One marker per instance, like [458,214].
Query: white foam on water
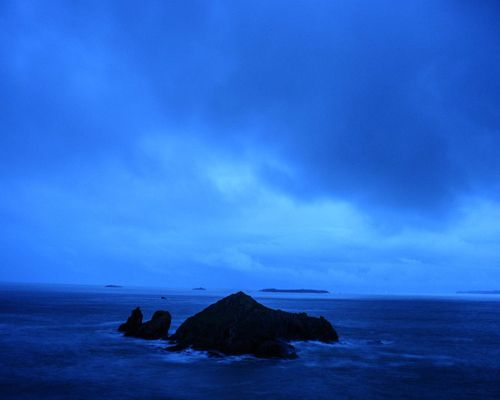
[184,357]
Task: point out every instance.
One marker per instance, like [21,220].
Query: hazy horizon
[221,290]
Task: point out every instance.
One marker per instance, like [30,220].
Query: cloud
[388,106]
[179,224]
[251,139]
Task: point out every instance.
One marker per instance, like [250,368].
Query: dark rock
[176,346]
[156,328]
[215,354]
[134,322]
[238,324]
[276,348]
[163,297]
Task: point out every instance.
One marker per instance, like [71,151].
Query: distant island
[272,290]
[113,286]
[199,288]
[478,292]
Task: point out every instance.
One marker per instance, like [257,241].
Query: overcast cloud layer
[346,145]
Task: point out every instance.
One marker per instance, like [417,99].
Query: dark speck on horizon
[320,149]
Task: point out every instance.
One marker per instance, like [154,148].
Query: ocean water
[61,342]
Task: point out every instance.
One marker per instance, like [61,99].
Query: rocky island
[235,325]
[156,328]
[478,292]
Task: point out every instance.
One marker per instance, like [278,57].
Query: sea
[61,342]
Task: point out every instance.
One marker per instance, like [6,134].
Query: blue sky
[346,145]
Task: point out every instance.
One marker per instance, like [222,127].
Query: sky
[344,145]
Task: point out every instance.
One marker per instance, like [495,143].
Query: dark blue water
[61,343]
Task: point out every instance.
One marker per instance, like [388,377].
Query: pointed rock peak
[240,297]
[237,300]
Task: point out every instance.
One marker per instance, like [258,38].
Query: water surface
[60,342]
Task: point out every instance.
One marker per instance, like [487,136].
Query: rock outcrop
[238,324]
[134,322]
[156,328]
